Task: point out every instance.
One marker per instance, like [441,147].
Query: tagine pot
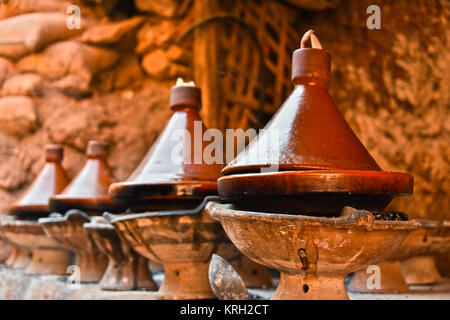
[86,196]
[412,264]
[126,269]
[182,242]
[313,254]
[171,193]
[23,231]
[302,191]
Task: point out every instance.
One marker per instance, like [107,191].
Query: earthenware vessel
[307,153]
[412,264]
[52,179]
[183,242]
[86,196]
[89,190]
[126,269]
[313,254]
[293,188]
[22,231]
[19,257]
[68,230]
[48,256]
[171,192]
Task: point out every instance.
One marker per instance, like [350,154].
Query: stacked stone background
[111,80]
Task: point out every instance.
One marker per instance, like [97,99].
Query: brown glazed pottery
[307,153]
[291,190]
[126,269]
[68,231]
[176,233]
[313,254]
[48,255]
[183,242]
[89,190]
[412,263]
[51,180]
[159,182]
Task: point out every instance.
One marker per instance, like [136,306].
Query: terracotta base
[49,261]
[298,287]
[443,264]
[92,266]
[132,274]
[391,279]
[420,270]
[185,281]
[19,258]
[5,251]
[253,274]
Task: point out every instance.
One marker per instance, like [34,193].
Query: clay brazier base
[47,257]
[128,275]
[126,270]
[49,261]
[183,243]
[92,266]
[313,254]
[298,287]
[253,274]
[184,281]
[420,270]
[19,258]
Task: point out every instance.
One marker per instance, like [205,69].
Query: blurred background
[72,71]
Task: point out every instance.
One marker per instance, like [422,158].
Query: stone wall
[111,79]
[108,80]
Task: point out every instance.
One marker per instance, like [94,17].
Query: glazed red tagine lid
[89,190]
[174,174]
[33,204]
[307,151]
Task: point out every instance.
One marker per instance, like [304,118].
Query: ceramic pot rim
[69,216]
[196,189]
[220,212]
[196,212]
[284,183]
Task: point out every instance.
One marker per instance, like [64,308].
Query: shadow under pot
[126,269]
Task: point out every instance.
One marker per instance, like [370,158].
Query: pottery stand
[184,244]
[126,269]
[69,231]
[253,274]
[48,256]
[411,264]
[313,254]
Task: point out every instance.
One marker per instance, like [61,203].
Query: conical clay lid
[50,181]
[308,150]
[89,190]
[176,172]
[308,131]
